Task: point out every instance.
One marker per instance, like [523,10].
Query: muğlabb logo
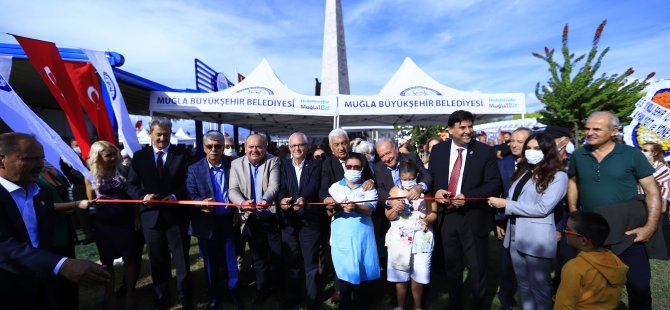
[420,91]
[4,85]
[256,90]
[110,85]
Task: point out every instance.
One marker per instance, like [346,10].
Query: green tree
[419,134]
[570,97]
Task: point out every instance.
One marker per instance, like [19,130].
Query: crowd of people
[590,216]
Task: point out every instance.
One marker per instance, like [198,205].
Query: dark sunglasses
[353,167]
[317,157]
[213,146]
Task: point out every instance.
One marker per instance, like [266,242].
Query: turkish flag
[85,82]
[45,58]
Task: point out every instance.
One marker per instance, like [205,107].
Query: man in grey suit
[254,179]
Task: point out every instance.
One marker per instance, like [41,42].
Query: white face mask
[353,176]
[533,156]
[647,154]
[408,184]
[229,152]
[77,150]
[570,147]
[372,158]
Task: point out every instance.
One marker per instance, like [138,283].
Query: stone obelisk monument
[334,72]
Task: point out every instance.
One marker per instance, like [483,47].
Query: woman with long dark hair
[539,184]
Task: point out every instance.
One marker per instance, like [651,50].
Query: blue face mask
[353,176]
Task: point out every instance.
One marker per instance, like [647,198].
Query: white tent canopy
[412,97]
[260,102]
[492,129]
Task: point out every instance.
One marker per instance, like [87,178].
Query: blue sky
[469,45]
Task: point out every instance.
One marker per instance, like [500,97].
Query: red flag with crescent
[85,82]
[46,59]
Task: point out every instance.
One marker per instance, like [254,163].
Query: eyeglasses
[353,167]
[228,146]
[317,157]
[570,232]
[596,170]
[213,146]
[292,146]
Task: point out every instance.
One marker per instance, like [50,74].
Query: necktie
[159,163]
[455,173]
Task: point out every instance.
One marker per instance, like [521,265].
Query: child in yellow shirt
[595,278]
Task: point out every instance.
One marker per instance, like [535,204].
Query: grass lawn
[92,298]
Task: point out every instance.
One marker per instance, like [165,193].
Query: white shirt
[164,156]
[298,169]
[452,160]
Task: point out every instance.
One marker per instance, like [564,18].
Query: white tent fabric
[509,125]
[260,102]
[411,97]
[410,74]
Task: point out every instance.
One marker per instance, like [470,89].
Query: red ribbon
[266,205]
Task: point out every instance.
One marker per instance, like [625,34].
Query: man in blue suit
[26,230]
[507,167]
[207,180]
[300,222]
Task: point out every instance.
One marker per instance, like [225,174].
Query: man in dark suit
[386,177]
[26,230]
[213,225]
[507,167]
[300,222]
[461,169]
[159,173]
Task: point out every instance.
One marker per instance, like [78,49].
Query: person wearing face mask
[410,238]
[654,153]
[229,148]
[353,246]
[561,136]
[539,184]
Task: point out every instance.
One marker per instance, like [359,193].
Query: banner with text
[226,102]
[513,103]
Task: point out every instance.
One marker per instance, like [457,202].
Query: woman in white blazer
[539,185]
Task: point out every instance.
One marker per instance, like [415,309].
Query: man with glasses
[208,180]
[254,183]
[300,222]
[606,173]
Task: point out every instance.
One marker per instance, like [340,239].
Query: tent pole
[199,152]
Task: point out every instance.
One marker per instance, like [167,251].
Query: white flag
[126,128]
[20,118]
[5,66]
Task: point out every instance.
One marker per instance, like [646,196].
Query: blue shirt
[24,202]
[218,178]
[256,188]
